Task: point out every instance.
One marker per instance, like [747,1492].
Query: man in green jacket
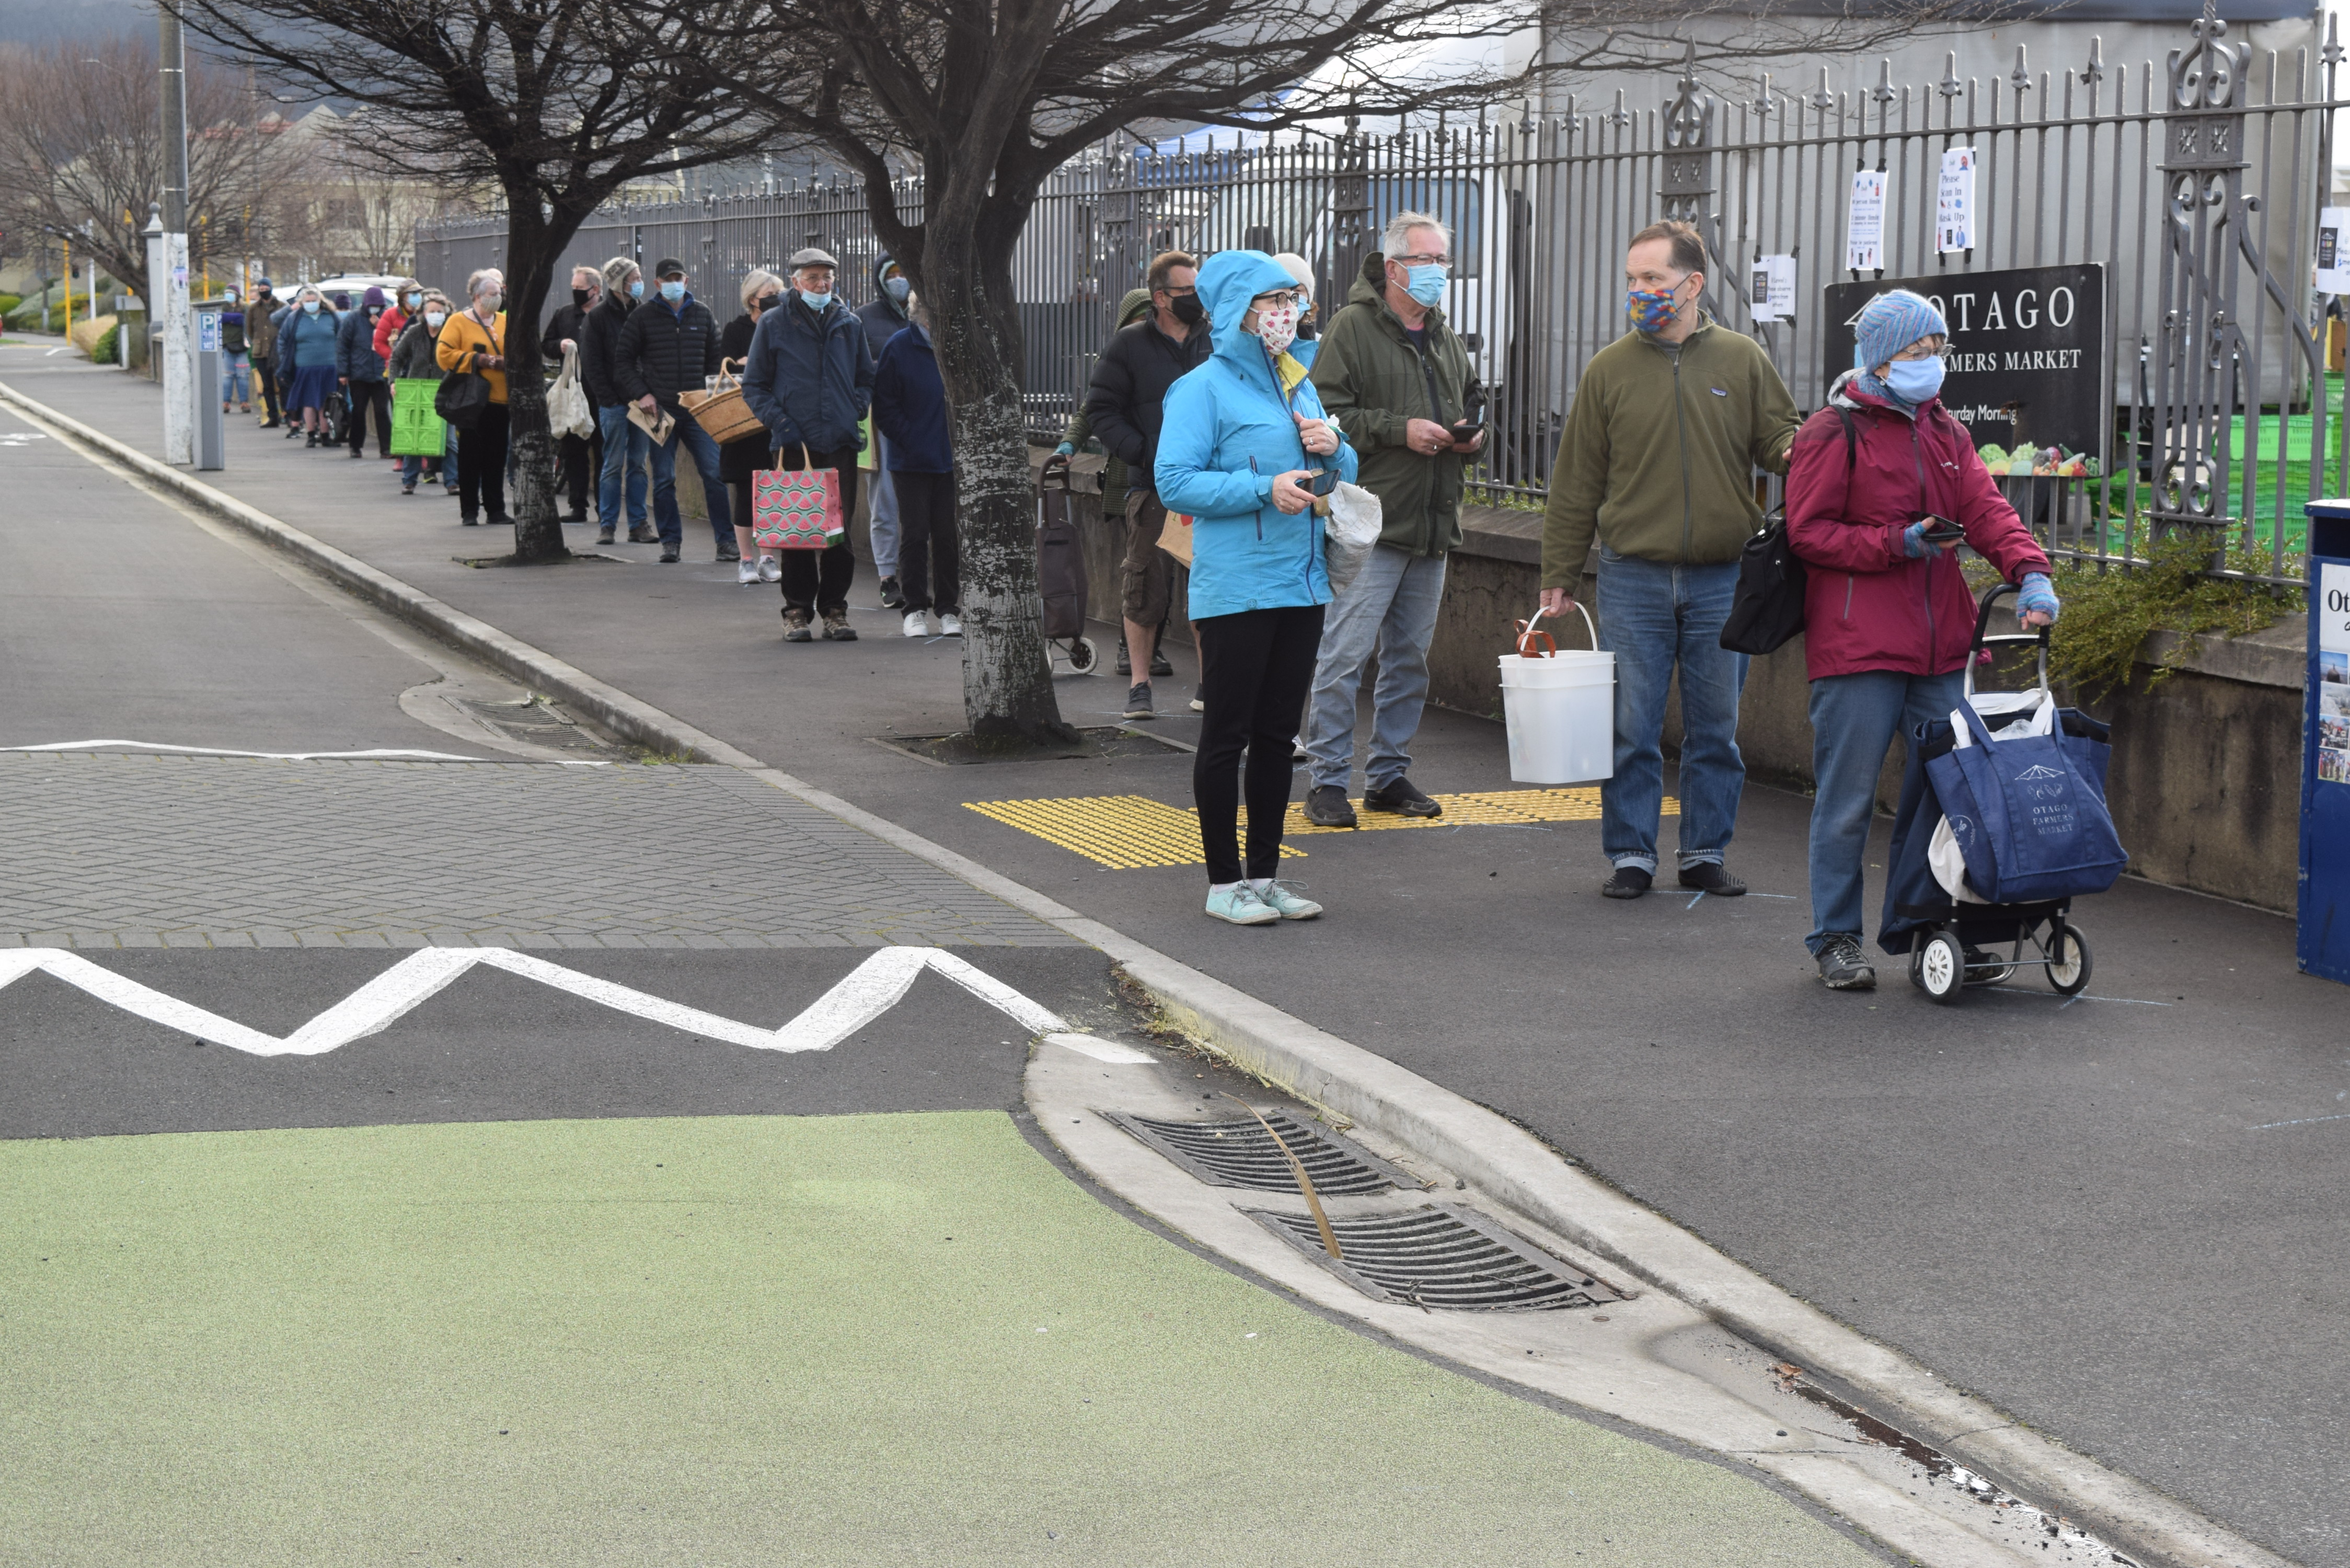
[1669,424]
[1395,378]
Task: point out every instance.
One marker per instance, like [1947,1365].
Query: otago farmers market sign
[2027,348]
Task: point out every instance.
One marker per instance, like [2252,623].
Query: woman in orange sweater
[474,340]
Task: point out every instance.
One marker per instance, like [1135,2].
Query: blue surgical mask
[898,288]
[636,288]
[311,305]
[1914,381]
[414,300]
[816,301]
[1427,285]
[673,290]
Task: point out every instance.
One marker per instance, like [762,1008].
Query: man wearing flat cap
[810,380]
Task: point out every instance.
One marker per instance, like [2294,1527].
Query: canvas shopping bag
[417,429]
[797,509]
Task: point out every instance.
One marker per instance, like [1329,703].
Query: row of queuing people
[1655,468]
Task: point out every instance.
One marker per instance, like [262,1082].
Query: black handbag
[463,397]
[1767,610]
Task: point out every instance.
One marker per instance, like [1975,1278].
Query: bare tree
[81,147]
[991,95]
[557,104]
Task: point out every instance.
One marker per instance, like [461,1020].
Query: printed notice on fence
[2333,250]
[1774,289]
[1864,242]
[1954,203]
[2333,675]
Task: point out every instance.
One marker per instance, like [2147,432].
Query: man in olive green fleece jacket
[1668,425]
[1394,376]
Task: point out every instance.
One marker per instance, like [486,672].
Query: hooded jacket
[1374,382]
[414,358]
[1866,604]
[910,405]
[355,356]
[261,325]
[1228,428]
[884,319]
[810,378]
[1125,403]
[1660,451]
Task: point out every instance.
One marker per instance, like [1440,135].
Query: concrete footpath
[2119,1220]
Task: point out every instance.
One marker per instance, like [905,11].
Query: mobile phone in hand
[1940,530]
[1466,431]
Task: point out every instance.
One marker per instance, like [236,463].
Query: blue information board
[2323,947]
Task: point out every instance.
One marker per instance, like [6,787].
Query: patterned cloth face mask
[1652,311]
[1277,327]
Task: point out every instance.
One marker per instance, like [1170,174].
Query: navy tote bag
[2030,814]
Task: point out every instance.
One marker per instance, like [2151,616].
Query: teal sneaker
[1289,906]
[1239,904]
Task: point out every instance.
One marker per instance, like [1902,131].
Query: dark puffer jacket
[664,351]
[1866,604]
[600,350]
[810,378]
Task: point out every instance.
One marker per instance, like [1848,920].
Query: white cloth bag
[567,412]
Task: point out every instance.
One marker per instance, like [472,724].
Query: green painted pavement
[738,1340]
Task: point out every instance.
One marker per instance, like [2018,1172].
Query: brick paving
[109,851]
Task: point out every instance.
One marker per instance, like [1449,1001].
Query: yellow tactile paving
[1126,832]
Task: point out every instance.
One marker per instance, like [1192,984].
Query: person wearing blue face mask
[626,448]
[884,317]
[669,345]
[810,382]
[1397,377]
[1888,617]
[1656,464]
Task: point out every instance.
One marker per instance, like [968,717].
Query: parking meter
[2323,946]
[211,433]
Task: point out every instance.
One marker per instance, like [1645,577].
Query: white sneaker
[771,570]
[916,624]
[747,574]
[950,626]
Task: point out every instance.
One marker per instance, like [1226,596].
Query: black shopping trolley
[1061,573]
[1989,850]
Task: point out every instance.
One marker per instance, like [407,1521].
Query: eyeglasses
[1439,259]
[1275,301]
[1178,293]
[1914,354]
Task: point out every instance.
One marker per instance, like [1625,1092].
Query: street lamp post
[169,286]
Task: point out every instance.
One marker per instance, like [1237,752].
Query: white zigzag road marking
[865,992]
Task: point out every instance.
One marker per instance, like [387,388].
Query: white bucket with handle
[1560,707]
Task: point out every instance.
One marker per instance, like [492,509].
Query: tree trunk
[1007,680]
[533,247]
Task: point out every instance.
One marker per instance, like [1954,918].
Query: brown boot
[837,627]
[796,626]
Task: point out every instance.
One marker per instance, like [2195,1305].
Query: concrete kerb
[1443,1126]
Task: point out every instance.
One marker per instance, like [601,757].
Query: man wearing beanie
[1657,460]
[1888,617]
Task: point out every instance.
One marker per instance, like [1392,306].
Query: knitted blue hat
[1890,322]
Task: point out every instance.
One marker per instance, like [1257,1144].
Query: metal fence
[2191,189]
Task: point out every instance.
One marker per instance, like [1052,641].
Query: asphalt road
[2121,1220]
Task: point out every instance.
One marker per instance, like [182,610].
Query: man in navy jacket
[360,370]
[810,380]
[669,345]
[910,414]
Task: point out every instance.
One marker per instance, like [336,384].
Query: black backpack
[1768,608]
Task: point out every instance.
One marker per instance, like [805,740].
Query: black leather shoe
[1401,797]
[1159,665]
[1709,876]
[1629,882]
[1125,659]
[1326,806]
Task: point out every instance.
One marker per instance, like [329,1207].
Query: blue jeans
[1654,615]
[236,378]
[444,466]
[705,452]
[625,447]
[884,528]
[1391,604]
[1854,720]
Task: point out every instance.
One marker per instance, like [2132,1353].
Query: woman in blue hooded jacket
[1241,439]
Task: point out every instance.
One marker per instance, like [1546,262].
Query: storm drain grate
[1440,1256]
[1240,1153]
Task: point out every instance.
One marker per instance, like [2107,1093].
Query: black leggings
[926,536]
[482,465]
[1255,669]
[363,396]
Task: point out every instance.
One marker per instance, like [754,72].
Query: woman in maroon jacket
[1888,617]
